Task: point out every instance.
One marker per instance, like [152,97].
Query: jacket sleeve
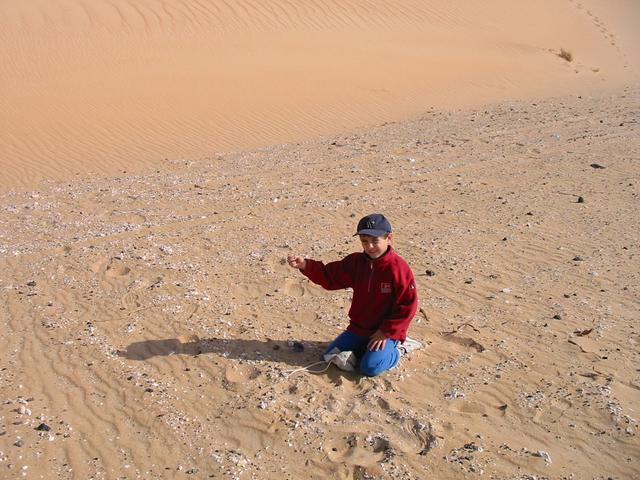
[333,275]
[395,325]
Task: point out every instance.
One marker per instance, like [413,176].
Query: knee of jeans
[371,369]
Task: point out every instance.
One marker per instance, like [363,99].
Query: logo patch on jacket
[385,287]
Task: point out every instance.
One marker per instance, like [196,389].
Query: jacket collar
[384,259]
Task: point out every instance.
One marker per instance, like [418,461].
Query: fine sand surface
[160,159]
[150,327]
[119,85]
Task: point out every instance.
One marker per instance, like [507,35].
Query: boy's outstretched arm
[297,261]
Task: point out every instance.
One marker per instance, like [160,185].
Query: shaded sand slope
[149,320]
[107,86]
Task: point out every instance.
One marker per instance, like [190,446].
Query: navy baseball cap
[375,225]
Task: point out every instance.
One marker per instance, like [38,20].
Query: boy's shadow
[298,353]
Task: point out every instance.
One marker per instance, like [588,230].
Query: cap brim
[371,232]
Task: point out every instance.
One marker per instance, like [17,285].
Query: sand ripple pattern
[149,16]
[112,85]
[149,320]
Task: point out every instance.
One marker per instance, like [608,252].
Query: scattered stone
[43,427]
[454,393]
[472,447]
[577,258]
[582,333]
[18,442]
[542,454]
[580,199]
[596,166]
[32,283]
[506,290]
[468,281]
[295,346]
[557,316]
[430,273]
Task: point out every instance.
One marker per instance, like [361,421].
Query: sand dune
[107,86]
[148,321]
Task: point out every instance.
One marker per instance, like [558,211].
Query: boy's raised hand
[297,261]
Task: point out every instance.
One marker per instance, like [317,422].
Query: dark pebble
[43,427]
[557,317]
[577,258]
[32,283]
[430,273]
[580,199]
[596,165]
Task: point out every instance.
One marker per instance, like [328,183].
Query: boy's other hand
[297,262]
[377,341]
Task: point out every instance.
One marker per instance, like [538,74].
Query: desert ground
[159,162]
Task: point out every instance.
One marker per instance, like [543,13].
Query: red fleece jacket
[384,291]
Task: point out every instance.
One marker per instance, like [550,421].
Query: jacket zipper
[370,277]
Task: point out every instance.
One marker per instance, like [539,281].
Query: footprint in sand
[104,267]
[130,300]
[117,271]
[238,377]
[293,288]
[417,436]
[357,449]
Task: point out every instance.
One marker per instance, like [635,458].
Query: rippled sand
[108,86]
[150,322]
[159,160]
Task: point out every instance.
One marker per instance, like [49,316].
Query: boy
[384,296]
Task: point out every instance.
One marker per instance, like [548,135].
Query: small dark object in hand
[298,347]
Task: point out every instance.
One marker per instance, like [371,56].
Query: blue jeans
[371,363]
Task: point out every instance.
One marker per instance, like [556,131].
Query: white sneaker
[343,360]
[409,345]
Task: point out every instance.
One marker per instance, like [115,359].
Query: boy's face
[375,247]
